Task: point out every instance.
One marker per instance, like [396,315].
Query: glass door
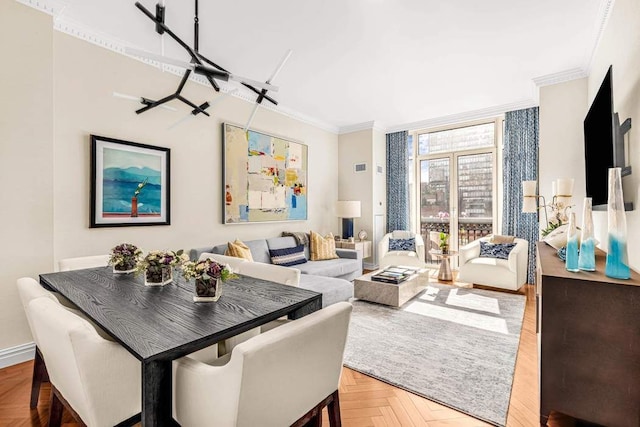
[435,201]
[475,196]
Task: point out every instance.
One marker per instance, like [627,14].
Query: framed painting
[129,183]
[264,177]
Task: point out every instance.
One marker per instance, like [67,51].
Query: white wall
[620,47]
[562,110]
[59,95]
[26,169]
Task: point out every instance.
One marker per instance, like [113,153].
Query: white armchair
[410,258]
[508,274]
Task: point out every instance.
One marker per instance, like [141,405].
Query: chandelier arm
[192,105]
[156,103]
[259,93]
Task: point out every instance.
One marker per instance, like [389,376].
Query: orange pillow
[239,249]
[322,248]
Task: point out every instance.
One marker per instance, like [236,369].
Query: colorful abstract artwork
[129,183]
[265,177]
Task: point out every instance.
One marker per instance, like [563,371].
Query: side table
[445,264]
[363,246]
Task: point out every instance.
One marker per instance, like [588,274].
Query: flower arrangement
[207,274]
[158,266]
[559,216]
[124,257]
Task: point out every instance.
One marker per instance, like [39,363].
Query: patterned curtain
[520,163]
[397,184]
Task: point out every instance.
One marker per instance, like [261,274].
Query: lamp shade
[348,209]
[529,204]
[529,188]
[564,187]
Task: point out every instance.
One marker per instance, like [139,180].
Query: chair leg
[55,409]
[39,376]
[334,411]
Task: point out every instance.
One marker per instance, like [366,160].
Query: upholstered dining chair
[298,363]
[97,378]
[231,261]
[68,264]
[412,257]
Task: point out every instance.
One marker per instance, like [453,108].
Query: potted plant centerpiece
[444,242]
[158,266]
[124,258]
[208,275]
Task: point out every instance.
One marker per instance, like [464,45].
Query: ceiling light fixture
[200,65]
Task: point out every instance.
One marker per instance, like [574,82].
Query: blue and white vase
[617,266]
[587,257]
[572,245]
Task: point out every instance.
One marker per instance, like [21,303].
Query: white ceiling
[395,62]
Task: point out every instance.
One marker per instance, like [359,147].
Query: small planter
[158,275]
[125,267]
[207,290]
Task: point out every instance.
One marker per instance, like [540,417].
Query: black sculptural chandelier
[199,64]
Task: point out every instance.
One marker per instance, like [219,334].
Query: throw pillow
[239,249]
[557,239]
[288,256]
[496,250]
[322,247]
[402,244]
[502,239]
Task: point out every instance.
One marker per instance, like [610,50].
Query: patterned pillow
[238,249]
[288,256]
[402,244]
[497,250]
[322,247]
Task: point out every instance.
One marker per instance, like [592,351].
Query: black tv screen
[599,142]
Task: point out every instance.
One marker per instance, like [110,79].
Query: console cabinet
[588,342]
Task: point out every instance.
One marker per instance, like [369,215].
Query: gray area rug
[452,345]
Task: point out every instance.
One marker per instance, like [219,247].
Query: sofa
[332,277]
[509,274]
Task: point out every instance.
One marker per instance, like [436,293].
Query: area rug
[451,345]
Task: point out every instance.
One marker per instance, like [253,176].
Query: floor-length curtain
[520,163]
[397,182]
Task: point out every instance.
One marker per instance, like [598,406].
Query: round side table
[444,273]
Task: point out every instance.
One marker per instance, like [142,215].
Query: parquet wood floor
[364,401]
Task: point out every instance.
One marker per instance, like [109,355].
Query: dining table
[158,324]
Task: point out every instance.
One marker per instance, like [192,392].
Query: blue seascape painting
[123,173]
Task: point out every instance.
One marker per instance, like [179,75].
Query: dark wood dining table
[160,324]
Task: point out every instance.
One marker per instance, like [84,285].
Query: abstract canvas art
[265,177]
[129,183]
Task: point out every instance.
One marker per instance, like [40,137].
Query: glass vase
[617,265]
[571,262]
[124,267]
[207,290]
[158,275]
[587,257]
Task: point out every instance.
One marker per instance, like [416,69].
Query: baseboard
[18,354]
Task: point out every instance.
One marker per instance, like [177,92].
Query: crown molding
[83,32]
[604,13]
[466,116]
[561,77]
[372,125]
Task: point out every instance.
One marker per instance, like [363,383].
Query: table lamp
[347,210]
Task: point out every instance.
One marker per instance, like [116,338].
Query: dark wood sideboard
[588,342]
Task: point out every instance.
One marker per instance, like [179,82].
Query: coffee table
[389,293]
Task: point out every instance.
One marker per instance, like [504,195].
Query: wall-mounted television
[603,144]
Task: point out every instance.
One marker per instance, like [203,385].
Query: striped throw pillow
[239,249]
[322,248]
[288,256]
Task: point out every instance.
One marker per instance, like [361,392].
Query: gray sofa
[330,277]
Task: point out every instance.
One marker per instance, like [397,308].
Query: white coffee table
[389,293]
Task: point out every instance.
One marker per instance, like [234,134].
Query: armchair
[410,258]
[508,274]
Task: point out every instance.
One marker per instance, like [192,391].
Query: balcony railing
[469,229]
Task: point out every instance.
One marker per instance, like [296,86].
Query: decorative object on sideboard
[265,177]
[158,266]
[129,183]
[347,210]
[587,257]
[559,206]
[571,263]
[199,64]
[208,276]
[617,265]
[124,258]
[362,235]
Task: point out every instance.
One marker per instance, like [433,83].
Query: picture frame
[264,177]
[130,184]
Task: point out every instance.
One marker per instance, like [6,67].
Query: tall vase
[617,265]
[587,257]
[572,245]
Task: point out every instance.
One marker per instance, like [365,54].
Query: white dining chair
[78,263]
[231,261]
[97,378]
[280,378]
